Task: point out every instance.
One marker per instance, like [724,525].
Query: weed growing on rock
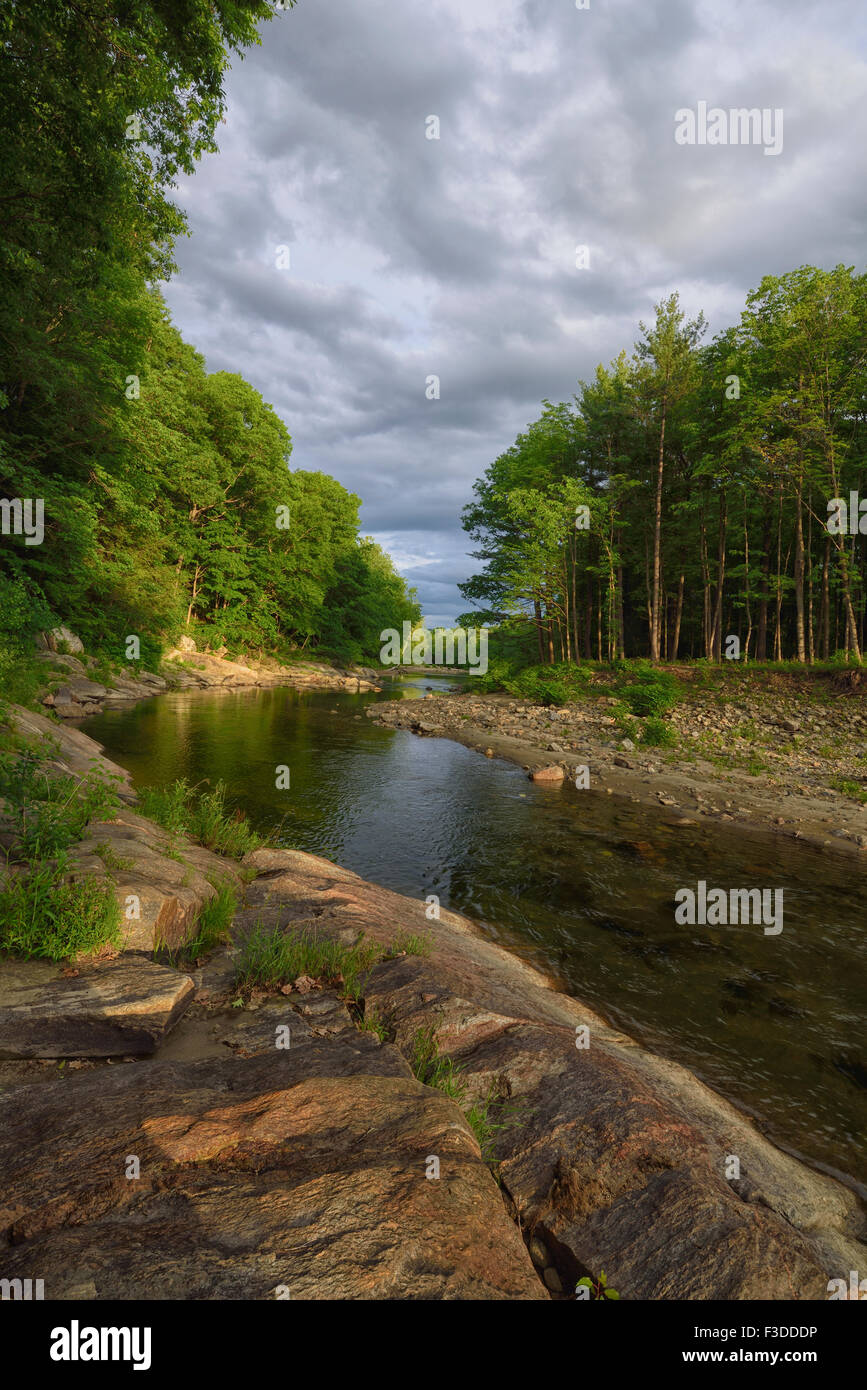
[371,1022]
[212,925]
[409,944]
[598,1287]
[273,957]
[203,815]
[432,1069]
[111,859]
[42,916]
[43,912]
[656,733]
[48,812]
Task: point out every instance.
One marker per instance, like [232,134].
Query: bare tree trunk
[747,606]
[705,583]
[716,632]
[678,614]
[825,602]
[811,639]
[764,588]
[657,540]
[799,575]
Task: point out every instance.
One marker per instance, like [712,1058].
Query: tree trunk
[675,636]
[657,539]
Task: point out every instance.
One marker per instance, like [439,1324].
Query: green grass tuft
[203,815]
[271,957]
[44,917]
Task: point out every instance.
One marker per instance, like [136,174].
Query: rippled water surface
[566,878]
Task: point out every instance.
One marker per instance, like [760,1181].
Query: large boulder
[297,1174]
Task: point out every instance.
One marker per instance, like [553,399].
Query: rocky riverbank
[72,692]
[766,760]
[164,1135]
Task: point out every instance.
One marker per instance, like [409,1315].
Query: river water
[579,885]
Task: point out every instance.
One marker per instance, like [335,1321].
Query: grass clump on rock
[40,915]
[213,925]
[431,1068]
[203,815]
[43,912]
[273,957]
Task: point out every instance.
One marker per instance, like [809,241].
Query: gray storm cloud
[456,257]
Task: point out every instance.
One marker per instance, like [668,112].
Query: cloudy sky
[411,257]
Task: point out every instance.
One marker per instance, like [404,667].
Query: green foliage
[432,1069]
[43,916]
[654,692]
[160,482]
[683,495]
[598,1287]
[849,788]
[203,815]
[371,1022]
[656,733]
[407,943]
[213,923]
[443,1074]
[271,957]
[42,912]
[552,686]
[49,812]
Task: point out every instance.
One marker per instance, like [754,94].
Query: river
[572,882]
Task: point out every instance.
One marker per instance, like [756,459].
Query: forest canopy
[693,493]
[169,502]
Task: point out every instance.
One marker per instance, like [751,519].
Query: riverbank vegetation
[168,503]
[43,912]
[686,496]
[202,815]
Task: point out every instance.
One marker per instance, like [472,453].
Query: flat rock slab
[120,1008]
[78,755]
[298,1173]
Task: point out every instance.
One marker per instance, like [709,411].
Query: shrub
[654,693]
[42,916]
[657,733]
